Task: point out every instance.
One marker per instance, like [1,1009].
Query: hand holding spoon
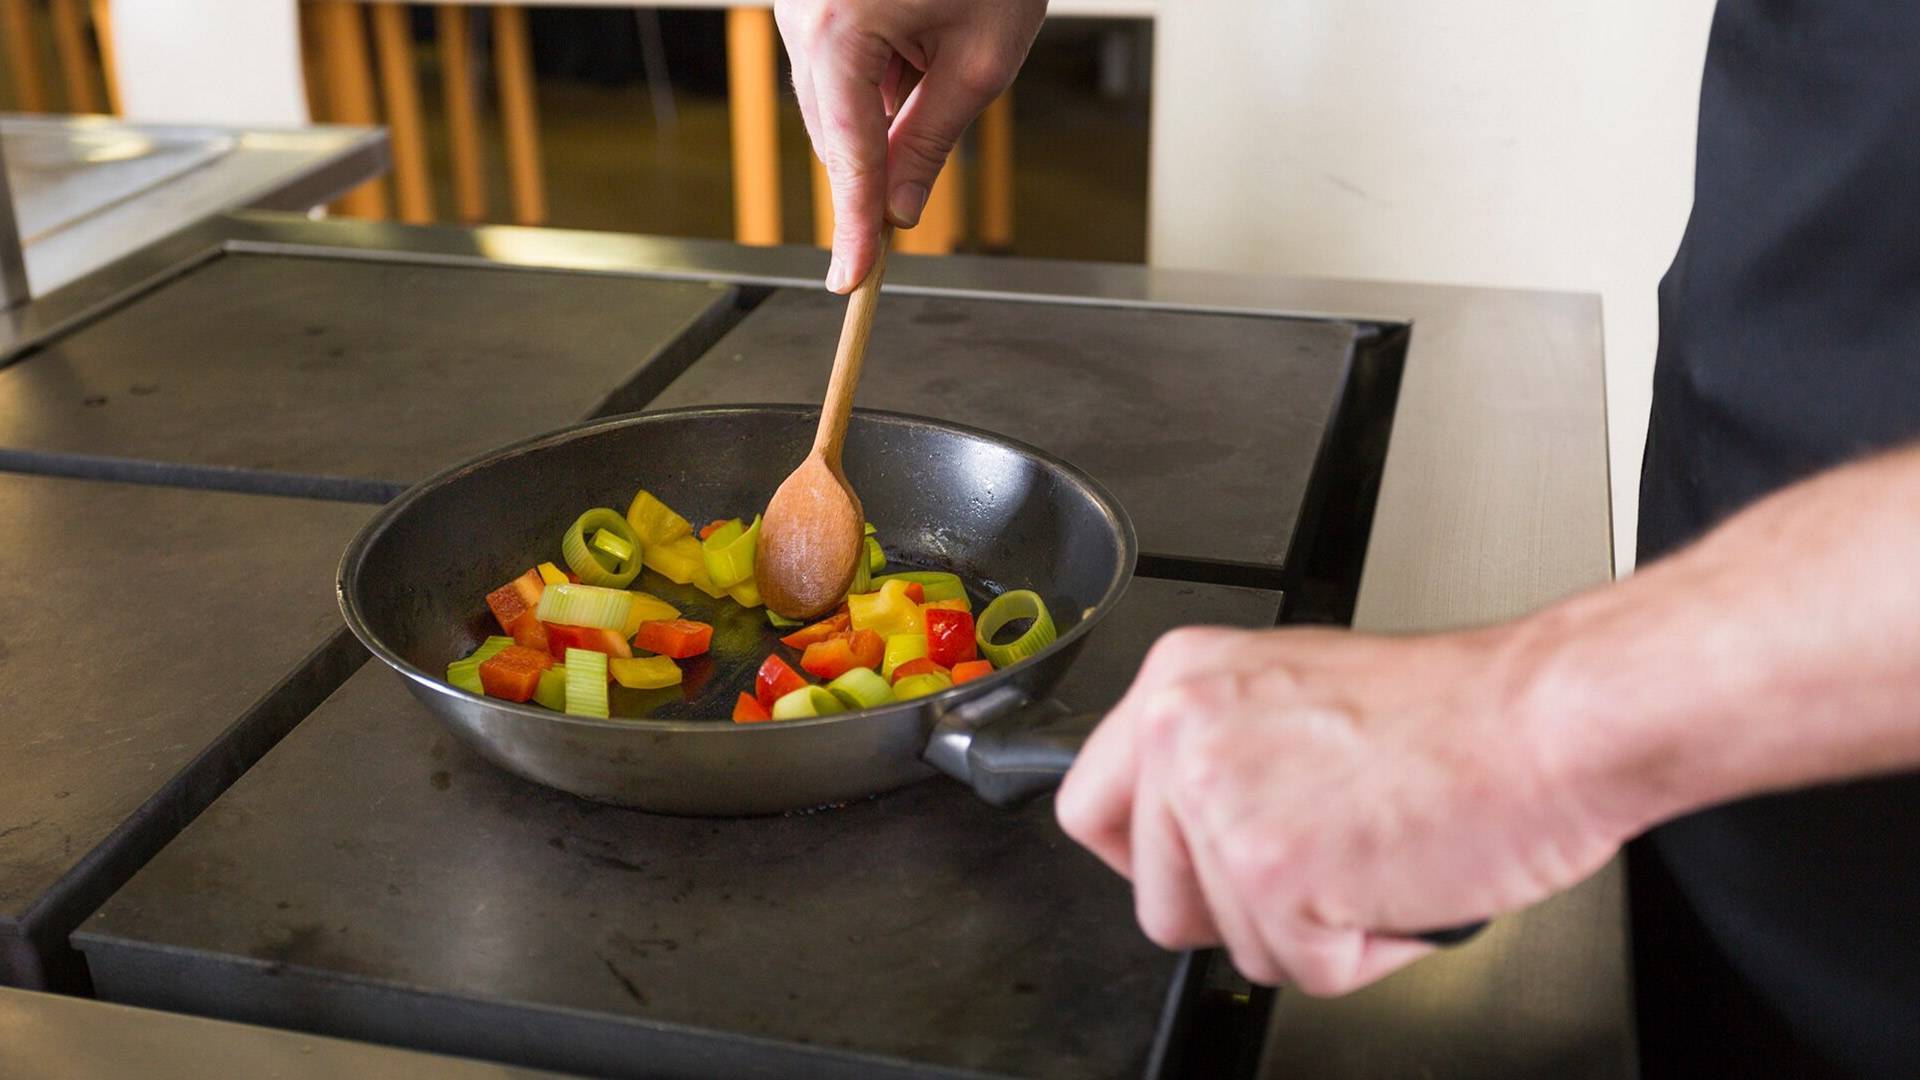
[814,532]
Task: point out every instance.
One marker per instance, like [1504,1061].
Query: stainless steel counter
[1493,501]
[90,189]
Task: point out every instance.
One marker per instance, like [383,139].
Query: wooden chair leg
[393,40]
[939,227]
[76,60]
[349,82]
[513,59]
[753,99]
[996,174]
[463,113]
[109,66]
[822,204]
[29,82]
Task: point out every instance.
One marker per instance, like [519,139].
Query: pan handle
[1012,750]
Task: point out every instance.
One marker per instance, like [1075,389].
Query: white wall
[229,62]
[1478,142]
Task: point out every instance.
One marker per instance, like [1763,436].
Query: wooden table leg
[76,60]
[463,113]
[349,82]
[753,99]
[940,220]
[822,203]
[109,66]
[393,41]
[23,56]
[996,174]
[513,59]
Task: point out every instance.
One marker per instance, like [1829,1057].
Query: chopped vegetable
[971,670]
[888,612]
[677,638]
[876,557]
[920,686]
[775,680]
[530,632]
[919,666]
[714,526]
[586,605]
[1008,608]
[617,549]
[748,710]
[645,673]
[552,691]
[728,553]
[653,522]
[747,594]
[939,584]
[950,636]
[562,639]
[586,683]
[807,701]
[551,574]
[946,605]
[465,673]
[916,592]
[781,622]
[676,560]
[513,673]
[820,631]
[902,648]
[861,688]
[646,608]
[841,653]
[600,568]
[515,598]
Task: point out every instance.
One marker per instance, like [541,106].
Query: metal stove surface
[1206,426]
[373,879]
[345,378]
[157,643]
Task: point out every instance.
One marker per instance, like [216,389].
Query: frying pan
[998,513]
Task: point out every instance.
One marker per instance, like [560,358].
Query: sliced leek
[876,557]
[465,673]
[919,686]
[552,691]
[861,688]
[585,605]
[781,622]
[807,701]
[902,648]
[728,553]
[586,683]
[615,548]
[1011,607]
[939,584]
[645,672]
[601,569]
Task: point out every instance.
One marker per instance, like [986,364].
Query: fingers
[845,68]
[1095,803]
[955,91]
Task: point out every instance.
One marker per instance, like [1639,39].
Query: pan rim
[354,557]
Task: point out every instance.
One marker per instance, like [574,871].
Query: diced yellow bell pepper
[655,523]
[644,672]
[950,605]
[746,594]
[552,574]
[900,649]
[647,608]
[888,612]
[676,560]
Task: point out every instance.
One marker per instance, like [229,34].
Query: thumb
[931,122]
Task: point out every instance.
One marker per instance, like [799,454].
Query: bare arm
[1308,797]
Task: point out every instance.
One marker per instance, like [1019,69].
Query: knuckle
[984,74]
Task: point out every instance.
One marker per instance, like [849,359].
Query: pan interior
[941,498]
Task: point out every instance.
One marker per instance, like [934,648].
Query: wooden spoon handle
[838,408]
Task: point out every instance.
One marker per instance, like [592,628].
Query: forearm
[1781,650]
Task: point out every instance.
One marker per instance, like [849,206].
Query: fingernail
[837,276]
[905,204]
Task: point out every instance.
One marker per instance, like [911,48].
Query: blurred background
[1475,142]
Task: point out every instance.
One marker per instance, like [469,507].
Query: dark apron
[1781,936]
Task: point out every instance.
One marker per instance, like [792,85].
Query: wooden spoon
[814,532]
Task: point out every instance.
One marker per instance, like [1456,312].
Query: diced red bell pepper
[515,598]
[529,632]
[513,673]
[869,648]
[950,637]
[678,638]
[922,666]
[712,527]
[748,710]
[971,670]
[819,631]
[829,659]
[916,592]
[775,680]
[561,637]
